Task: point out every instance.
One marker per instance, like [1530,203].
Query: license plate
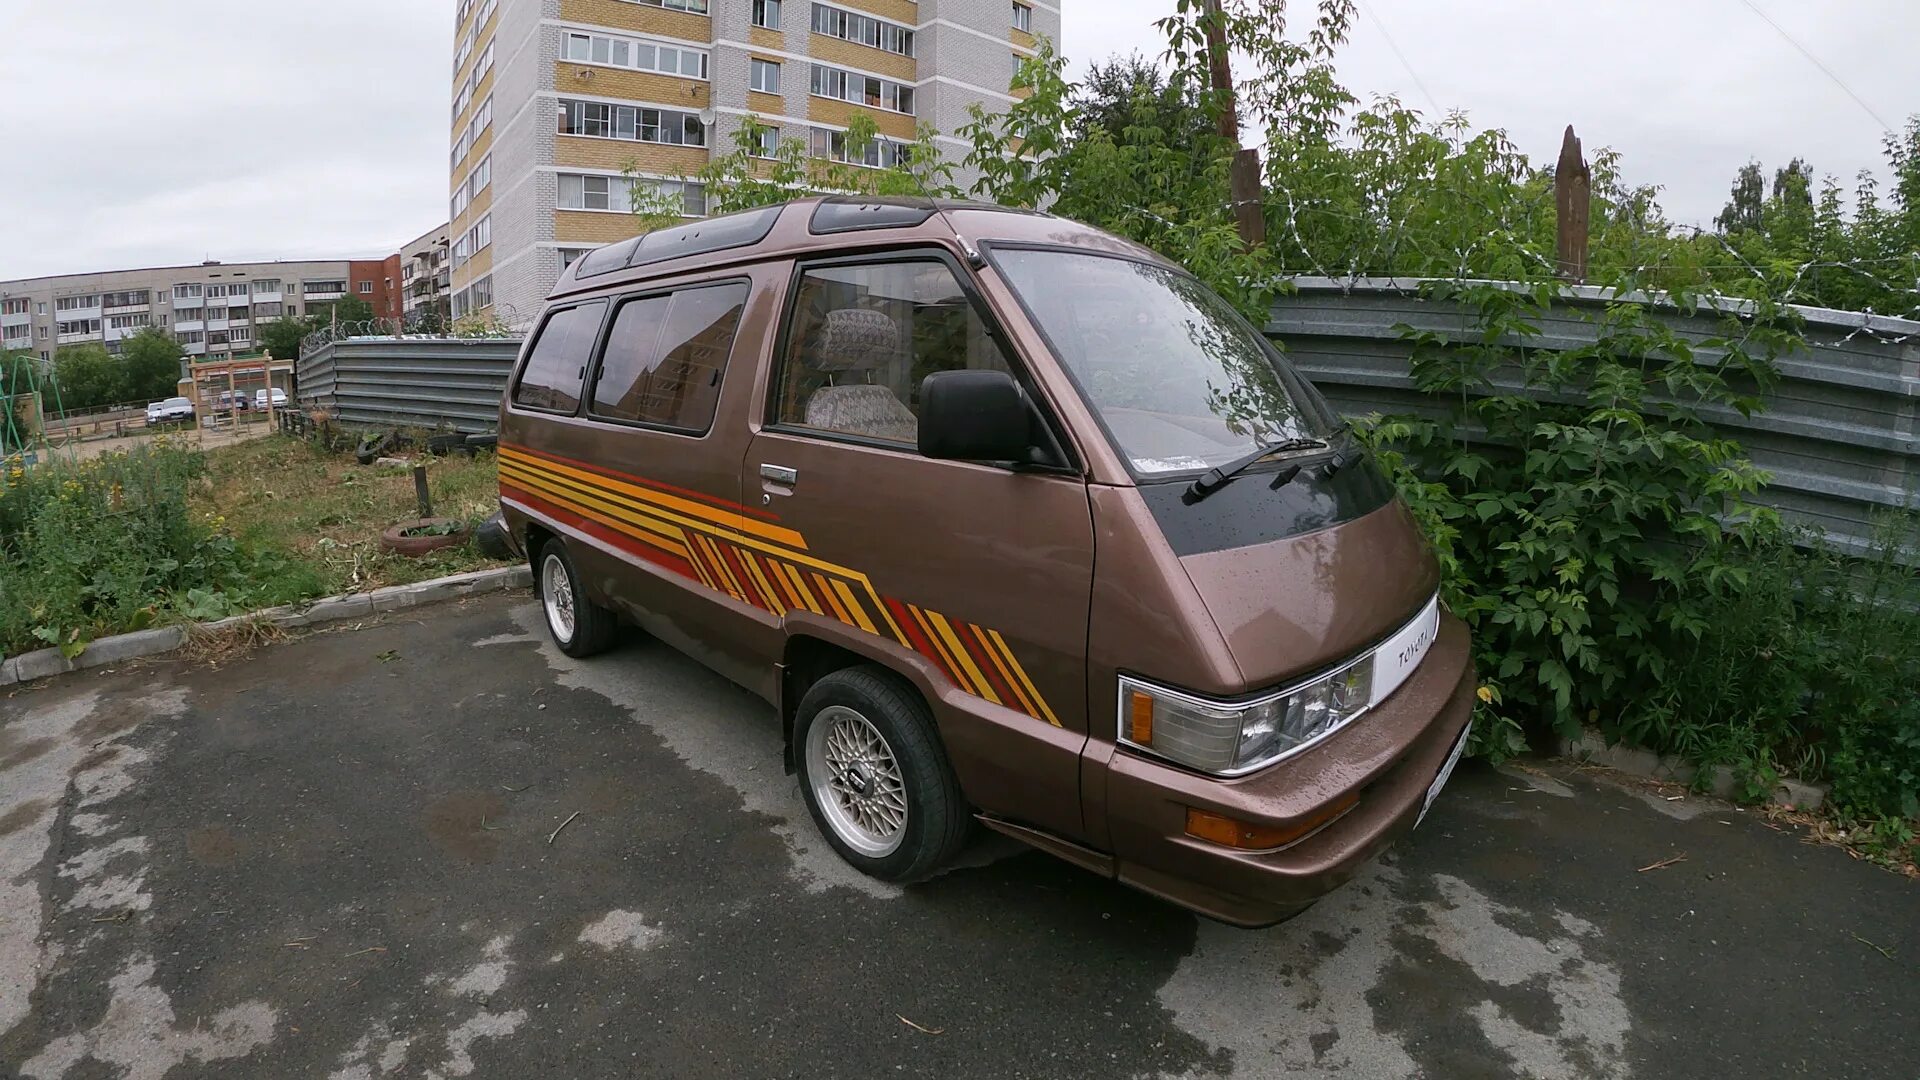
[1433,789]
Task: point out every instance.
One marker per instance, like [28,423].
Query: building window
[764,76]
[76,303]
[859,89]
[766,142]
[697,7]
[878,153]
[267,285]
[481,295]
[636,54]
[766,13]
[16,306]
[862,29]
[581,192]
[1022,17]
[569,256]
[366,288]
[320,288]
[633,122]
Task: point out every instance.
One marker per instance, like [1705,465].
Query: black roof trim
[743,229]
[842,215]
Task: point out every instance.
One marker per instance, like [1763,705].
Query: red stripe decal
[969,639]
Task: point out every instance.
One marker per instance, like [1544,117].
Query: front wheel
[578,625]
[875,776]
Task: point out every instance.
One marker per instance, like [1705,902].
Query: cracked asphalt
[337,858]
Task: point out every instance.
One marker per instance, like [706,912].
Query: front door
[974,576]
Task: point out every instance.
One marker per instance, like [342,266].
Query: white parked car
[279,398]
[172,410]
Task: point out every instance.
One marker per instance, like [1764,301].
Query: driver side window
[860,339]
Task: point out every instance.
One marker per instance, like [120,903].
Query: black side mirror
[974,416]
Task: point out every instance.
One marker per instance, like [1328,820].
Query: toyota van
[1011,521]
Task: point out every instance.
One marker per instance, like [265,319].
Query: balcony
[127,309]
[72,339]
[272,297]
[194,323]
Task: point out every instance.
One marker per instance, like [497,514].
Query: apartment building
[425,279]
[553,98]
[212,309]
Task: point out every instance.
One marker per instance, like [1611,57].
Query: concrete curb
[1592,747]
[123,647]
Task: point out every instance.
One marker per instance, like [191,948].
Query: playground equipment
[26,389]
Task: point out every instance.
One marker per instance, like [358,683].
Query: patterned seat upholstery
[861,409]
[860,340]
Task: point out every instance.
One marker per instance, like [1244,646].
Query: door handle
[779,474]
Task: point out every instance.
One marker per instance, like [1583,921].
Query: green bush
[1577,499]
[108,545]
[1811,666]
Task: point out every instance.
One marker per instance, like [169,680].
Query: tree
[1745,202]
[282,336]
[347,309]
[150,365]
[89,377]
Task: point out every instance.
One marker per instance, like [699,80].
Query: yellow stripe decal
[696,532]
[760,582]
[669,505]
[1046,713]
[826,593]
[940,647]
[981,685]
[858,609]
[800,587]
[1000,664]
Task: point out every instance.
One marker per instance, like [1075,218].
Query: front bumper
[1390,756]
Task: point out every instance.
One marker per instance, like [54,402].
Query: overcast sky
[169,133]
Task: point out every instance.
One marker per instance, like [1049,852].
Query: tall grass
[110,544]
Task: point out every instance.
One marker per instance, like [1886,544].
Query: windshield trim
[989,248]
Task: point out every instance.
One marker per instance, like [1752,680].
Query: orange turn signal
[1140,718]
[1234,833]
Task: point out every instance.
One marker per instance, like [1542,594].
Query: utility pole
[1243,175]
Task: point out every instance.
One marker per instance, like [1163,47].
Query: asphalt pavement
[432,846]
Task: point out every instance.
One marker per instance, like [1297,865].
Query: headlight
[1233,738]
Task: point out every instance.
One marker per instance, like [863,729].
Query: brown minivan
[1011,520]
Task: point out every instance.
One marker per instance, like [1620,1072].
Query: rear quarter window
[556,364]
[666,355]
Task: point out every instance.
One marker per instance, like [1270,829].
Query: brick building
[551,98]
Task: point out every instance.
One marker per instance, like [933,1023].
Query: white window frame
[1022,16]
[841,84]
[626,53]
[757,69]
[765,14]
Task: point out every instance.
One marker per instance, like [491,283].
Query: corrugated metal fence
[1840,433]
[433,383]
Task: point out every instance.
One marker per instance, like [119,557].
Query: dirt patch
[461,824]
[215,846]
[23,815]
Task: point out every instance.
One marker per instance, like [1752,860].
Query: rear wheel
[875,776]
[578,625]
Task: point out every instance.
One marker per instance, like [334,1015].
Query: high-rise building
[213,309]
[554,99]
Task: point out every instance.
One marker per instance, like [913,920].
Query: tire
[585,628]
[925,823]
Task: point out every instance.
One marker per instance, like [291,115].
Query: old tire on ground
[396,540]
[372,447]
[579,626]
[876,777]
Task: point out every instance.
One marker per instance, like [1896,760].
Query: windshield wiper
[1216,478]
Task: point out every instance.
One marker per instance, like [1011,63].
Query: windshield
[1180,380]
